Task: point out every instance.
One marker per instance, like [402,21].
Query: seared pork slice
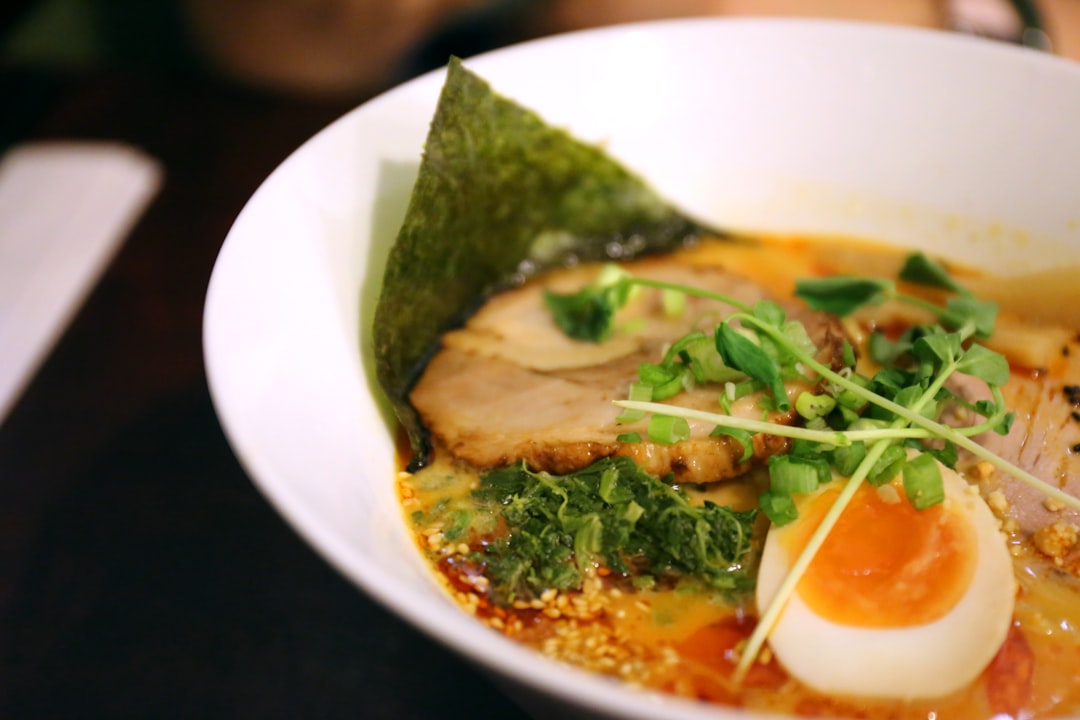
[1045,441]
[511,386]
[517,325]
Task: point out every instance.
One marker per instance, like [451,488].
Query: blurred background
[353,47]
[141,574]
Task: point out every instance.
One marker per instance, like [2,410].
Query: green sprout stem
[689,290]
[839,438]
[924,304]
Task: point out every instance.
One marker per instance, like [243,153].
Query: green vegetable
[667,430]
[841,295]
[499,190]
[741,353]
[922,482]
[779,507]
[893,459]
[793,474]
[611,513]
[847,459]
[744,437]
[641,392]
[590,313]
[920,269]
[810,406]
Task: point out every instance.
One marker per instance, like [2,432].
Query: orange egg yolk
[885,564]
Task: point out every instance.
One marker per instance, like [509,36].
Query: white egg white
[924,661]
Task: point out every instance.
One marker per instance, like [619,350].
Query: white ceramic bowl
[965,147]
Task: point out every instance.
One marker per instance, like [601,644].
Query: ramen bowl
[963,147]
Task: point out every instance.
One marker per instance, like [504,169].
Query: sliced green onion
[922,482]
[847,458]
[653,374]
[707,364]
[673,302]
[667,430]
[887,466]
[811,406]
[778,507]
[631,437]
[642,393]
[947,454]
[851,400]
[803,447]
[788,474]
[848,354]
[848,417]
[676,349]
[666,382]
[745,438]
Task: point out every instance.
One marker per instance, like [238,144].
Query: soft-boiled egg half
[898,602]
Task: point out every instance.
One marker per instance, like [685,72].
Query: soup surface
[968,601]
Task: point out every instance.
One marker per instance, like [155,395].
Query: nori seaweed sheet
[500,194]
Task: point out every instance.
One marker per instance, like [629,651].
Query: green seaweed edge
[500,195]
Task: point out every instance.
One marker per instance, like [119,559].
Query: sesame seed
[1053,504]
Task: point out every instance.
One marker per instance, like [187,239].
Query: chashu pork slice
[511,386]
[1044,440]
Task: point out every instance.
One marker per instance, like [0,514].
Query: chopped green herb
[611,513]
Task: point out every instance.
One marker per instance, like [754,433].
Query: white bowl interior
[960,146]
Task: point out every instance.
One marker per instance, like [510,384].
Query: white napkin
[65,207]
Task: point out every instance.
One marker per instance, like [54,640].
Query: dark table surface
[141,573]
